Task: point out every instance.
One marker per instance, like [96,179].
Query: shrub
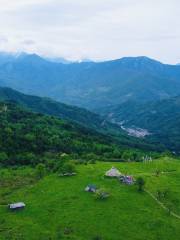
[3,158]
[40,170]
[93,161]
[67,168]
[102,194]
[97,238]
[140,182]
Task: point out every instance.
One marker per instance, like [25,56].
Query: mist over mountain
[91,84]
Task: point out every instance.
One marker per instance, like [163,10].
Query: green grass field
[59,208]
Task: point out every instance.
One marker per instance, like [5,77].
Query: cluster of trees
[28,138]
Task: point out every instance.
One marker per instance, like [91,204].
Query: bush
[67,168]
[140,182]
[97,238]
[40,170]
[102,194]
[3,158]
[93,161]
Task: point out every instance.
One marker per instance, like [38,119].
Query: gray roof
[17,205]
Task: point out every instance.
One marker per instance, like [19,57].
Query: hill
[54,108]
[91,84]
[161,119]
[30,138]
[74,114]
[59,208]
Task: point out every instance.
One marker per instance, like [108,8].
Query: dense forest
[75,115]
[32,138]
[160,118]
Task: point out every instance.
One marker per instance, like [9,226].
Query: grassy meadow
[59,208]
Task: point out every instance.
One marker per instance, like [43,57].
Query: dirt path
[162,205]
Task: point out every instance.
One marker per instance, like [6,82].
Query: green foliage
[67,168]
[101,194]
[40,170]
[28,138]
[140,183]
[92,161]
[3,158]
[161,118]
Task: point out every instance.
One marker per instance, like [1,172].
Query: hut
[113,172]
[16,206]
[128,180]
[67,174]
[91,188]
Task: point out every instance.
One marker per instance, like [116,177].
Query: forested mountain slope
[161,119]
[27,138]
[73,114]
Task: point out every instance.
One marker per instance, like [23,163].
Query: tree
[127,156]
[40,170]
[92,161]
[140,182]
[3,158]
[157,172]
[68,168]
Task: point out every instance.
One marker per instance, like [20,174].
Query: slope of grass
[59,208]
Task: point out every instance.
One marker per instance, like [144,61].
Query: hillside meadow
[59,208]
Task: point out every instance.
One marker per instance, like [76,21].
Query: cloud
[97,29]
[28,42]
[3,40]
[17,4]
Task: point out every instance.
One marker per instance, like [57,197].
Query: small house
[128,180]
[15,206]
[113,172]
[67,174]
[91,188]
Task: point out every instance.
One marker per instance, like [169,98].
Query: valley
[51,151]
[160,118]
[89,120]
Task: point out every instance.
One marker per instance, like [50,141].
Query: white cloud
[98,29]
[8,5]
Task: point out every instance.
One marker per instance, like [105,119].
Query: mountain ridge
[93,84]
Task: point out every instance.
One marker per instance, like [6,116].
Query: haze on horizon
[92,29]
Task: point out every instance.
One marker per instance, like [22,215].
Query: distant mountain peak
[140,59]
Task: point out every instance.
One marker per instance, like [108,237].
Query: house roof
[17,205]
[91,186]
[113,172]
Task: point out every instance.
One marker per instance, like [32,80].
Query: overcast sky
[93,29]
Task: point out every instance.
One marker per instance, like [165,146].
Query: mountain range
[91,84]
[134,95]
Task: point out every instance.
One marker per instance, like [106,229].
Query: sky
[92,29]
